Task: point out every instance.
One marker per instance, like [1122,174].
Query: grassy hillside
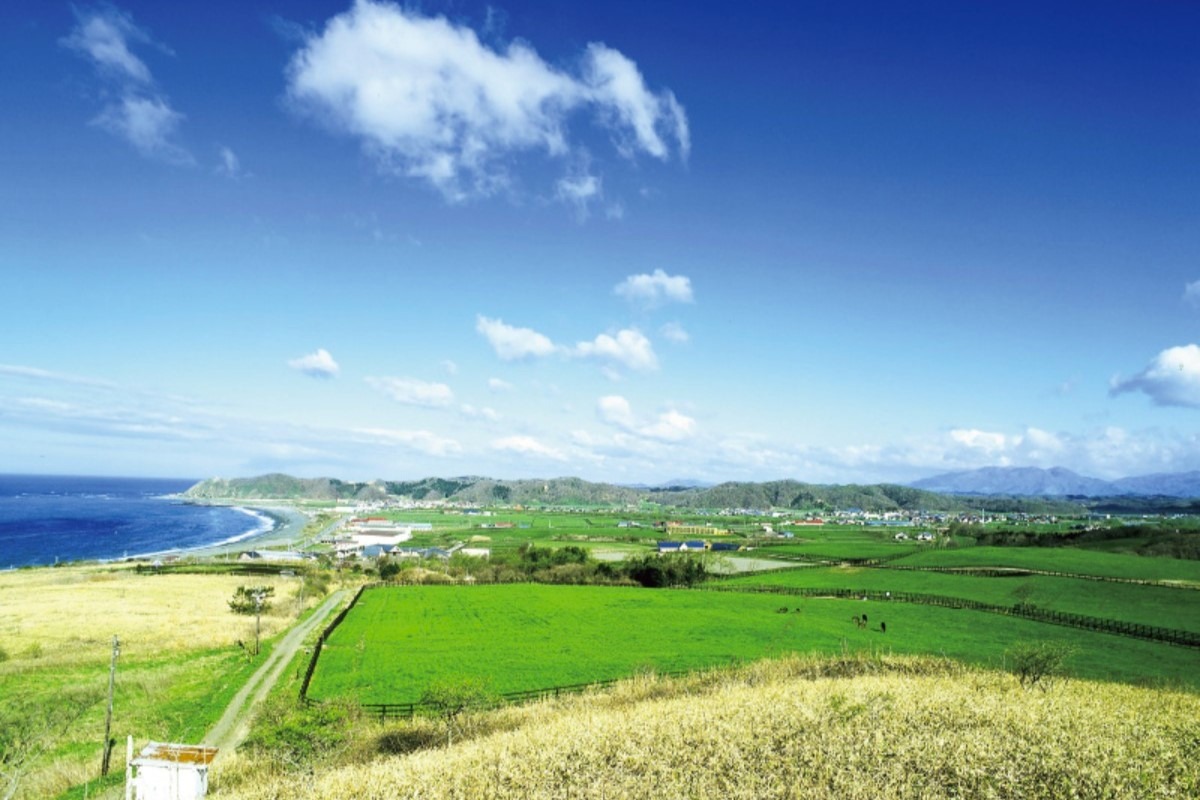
[861,728]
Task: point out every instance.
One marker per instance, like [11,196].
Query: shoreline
[285,523]
[288,523]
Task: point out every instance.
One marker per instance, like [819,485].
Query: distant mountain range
[473,490]
[1058,482]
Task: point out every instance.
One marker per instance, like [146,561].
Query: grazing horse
[781,610]
[883,627]
[861,622]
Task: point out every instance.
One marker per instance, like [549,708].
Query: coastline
[288,524]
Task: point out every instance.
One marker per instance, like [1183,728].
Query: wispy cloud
[136,110]
[318,364]
[228,163]
[414,392]
[499,385]
[655,289]
[1191,294]
[431,101]
[674,332]
[1171,379]
[528,446]
[420,441]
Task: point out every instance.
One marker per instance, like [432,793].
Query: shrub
[1036,663]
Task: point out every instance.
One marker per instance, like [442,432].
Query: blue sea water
[44,519]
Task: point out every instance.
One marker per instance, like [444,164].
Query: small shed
[169,772]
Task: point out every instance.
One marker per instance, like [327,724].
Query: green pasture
[843,541]
[1060,559]
[399,640]
[1146,605]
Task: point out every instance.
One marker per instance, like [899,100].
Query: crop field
[1148,605]
[1061,559]
[400,640]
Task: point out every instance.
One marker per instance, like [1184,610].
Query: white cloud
[669,426]
[420,441]
[1171,379]
[674,332]
[984,441]
[615,410]
[414,392]
[512,343]
[318,364]
[499,385]
[629,347]
[528,446]
[433,102]
[139,114]
[450,366]
[651,291]
[1191,293]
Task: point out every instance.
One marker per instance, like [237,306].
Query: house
[724,547]
[168,771]
[924,536]
[273,555]
[901,537]
[420,552]
[476,552]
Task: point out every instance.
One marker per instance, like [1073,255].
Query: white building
[168,772]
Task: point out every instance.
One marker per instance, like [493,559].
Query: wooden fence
[316,653]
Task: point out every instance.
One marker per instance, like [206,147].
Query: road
[234,724]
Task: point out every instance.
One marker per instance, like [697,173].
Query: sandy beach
[289,524]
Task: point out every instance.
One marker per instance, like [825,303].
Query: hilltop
[481,491]
[1059,482]
[797,727]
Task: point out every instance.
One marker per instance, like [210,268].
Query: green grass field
[399,640]
[1060,559]
[1147,605]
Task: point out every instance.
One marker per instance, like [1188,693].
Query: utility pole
[112,677]
[258,603]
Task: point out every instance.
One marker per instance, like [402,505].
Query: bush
[251,599]
[1036,663]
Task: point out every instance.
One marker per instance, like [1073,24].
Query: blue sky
[836,242]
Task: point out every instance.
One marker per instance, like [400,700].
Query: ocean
[45,519]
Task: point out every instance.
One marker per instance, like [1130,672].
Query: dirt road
[234,724]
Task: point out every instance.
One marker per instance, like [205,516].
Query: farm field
[1148,605]
[400,640]
[1060,559]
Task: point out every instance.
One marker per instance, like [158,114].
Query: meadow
[1061,559]
[400,640]
[179,663]
[1148,605]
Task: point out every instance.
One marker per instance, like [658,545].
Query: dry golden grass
[898,730]
[61,613]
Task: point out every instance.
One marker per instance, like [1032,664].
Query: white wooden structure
[168,771]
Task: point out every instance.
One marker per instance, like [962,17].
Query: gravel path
[234,724]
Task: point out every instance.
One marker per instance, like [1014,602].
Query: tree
[251,599]
[1036,663]
[451,698]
